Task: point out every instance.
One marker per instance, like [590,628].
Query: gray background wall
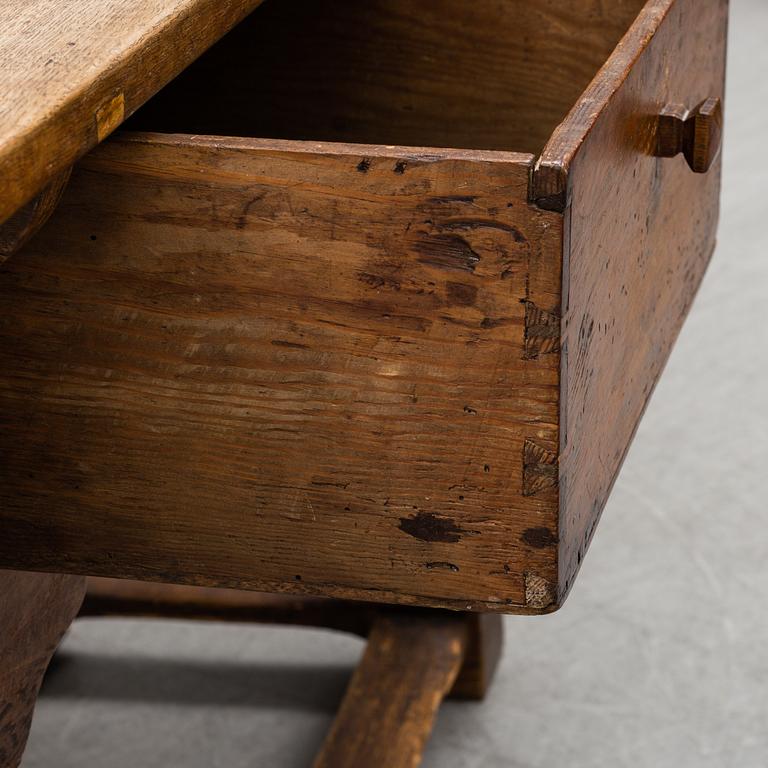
[660,656]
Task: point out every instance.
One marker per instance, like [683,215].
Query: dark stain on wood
[447,252]
[287,344]
[364,165]
[330,484]
[494,322]
[400,166]
[467,225]
[556,202]
[379,281]
[461,293]
[429,527]
[242,219]
[539,538]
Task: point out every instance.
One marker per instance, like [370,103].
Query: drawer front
[286,366]
[639,232]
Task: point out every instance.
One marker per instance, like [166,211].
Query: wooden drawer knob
[696,133]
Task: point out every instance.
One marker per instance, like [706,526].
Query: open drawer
[334,361]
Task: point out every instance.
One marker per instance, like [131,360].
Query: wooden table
[367,322]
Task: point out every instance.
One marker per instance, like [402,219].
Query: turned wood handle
[696,133]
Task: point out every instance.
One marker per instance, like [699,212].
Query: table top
[72,71]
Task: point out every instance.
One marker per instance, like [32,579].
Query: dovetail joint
[540,468]
[539,593]
[542,331]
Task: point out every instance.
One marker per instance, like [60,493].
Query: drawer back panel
[445,73]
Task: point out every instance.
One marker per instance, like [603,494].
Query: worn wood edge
[550,185]
[533,607]
[295,147]
[307,147]
[23,224]
[564,588]
[100,95]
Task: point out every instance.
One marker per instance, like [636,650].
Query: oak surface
[70,72]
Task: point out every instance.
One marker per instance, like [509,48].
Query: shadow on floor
[194,683]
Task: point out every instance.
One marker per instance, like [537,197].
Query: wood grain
[389,708]
[639,233]
[285,366]
[70,72]
[481,75]
[481,657]
[35,611]
[355,370]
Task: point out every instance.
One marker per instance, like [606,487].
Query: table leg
[35,611]
[414,658]
[386,717]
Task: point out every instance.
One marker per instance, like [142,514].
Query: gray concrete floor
[658,659]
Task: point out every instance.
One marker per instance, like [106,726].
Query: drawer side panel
[641,231]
